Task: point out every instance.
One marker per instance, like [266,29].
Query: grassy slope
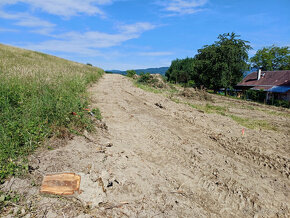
[38,94]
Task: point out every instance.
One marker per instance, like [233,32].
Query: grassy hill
[40,96]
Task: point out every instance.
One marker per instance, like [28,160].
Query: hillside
[39,95]
[160,70]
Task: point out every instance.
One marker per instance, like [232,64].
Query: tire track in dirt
[206,175]
[164,160]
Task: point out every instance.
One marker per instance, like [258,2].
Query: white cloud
[86,43]
[161,53]
[7,30]
[181,7]
[63,7]
[137,27]
[27,20]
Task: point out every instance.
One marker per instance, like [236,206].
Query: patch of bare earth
[159,158]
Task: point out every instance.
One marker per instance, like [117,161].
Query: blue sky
[131,34]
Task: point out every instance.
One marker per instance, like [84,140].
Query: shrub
[256,95]
[130,73]
[144,78]
[191,84]
[280,103]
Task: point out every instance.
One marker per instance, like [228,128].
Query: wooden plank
[61,184]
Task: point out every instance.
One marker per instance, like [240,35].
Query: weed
[148,88]
[252,123]
[8,199]
[40,95]
[246,122]
[97,113]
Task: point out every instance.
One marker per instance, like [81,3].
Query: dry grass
[39,95]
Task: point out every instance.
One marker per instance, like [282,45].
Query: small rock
[15,211]
[109,144]
[110,184]
[159,105]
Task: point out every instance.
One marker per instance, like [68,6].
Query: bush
[130,73]
[191,84]
[144,78]
[256,95]
[280,103]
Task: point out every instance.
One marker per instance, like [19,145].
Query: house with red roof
[275,83]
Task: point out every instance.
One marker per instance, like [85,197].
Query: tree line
[222,64]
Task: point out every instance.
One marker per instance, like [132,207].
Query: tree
[272,58]
[222,64]
[181,70]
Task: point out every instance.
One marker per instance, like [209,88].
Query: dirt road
[159,158]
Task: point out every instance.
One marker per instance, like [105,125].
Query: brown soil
[158,158]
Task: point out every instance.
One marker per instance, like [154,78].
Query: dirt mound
[196,94]
[136,76]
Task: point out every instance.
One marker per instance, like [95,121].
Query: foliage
[89,64]
[8,198]
[253,123]
[131,73]
[97,113]
[215,66]
[147,88]
[182,70]
[272,58]
[256,95]
[222,64]
[40,95]
[144,78]
[280,103]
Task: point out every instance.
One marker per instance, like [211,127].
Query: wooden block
[61,184]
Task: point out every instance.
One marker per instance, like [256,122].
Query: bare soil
[158,158]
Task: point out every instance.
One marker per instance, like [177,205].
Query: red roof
[267,80]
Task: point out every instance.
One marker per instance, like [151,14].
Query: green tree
[181,70]
[131,73]
[221,65]
[272,58]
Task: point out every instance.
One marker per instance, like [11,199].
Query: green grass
[208,108]
[246,122]
[276,113]
[252,123]
[40,96]
[270,112]
[8,199]
[148,88]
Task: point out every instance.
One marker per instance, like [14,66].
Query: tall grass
[40,95]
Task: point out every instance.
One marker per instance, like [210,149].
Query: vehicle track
[164,159]
[210,170]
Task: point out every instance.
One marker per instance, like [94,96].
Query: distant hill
[160,70]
